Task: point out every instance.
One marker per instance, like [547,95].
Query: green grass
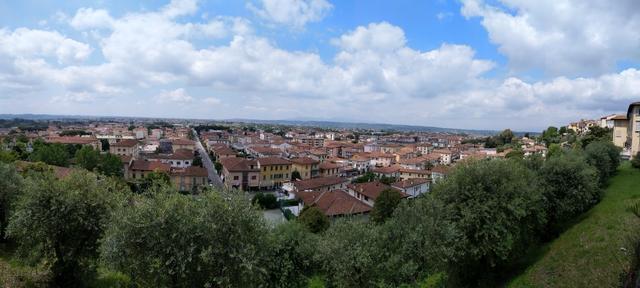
[597,248]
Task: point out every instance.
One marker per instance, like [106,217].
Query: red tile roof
[372,189]
[317,183]
[410,183]
[190,171]
[236,164]
[266,161]
[143,165]
[334,203]
[304,161]
[72,140]
[125,143]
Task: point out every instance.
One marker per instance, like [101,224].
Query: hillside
[595,251]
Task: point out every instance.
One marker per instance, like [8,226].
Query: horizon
[469,65]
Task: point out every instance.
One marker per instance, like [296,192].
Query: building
[274,171]
[368,192]
[179,159]
[222,151]
[126,147]
[311,141]
[306,166]
[328,169]
[182,144]
[620,126]
[188,178]
[413,187]
[240,173]
[334,203]
[84,141]
[316,184]
[139,169]
[633,129]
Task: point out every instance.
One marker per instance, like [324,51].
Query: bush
[605,157]
[11,185]
[265,201]
[385,204]
[289,215]
[635,162]
[291,255]
[173,240]
[313,219]
[288,202]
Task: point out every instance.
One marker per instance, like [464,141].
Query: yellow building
[633,129]
[620,126]
[273,172]
[306,166]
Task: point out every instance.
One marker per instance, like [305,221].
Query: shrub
[313,219]
[265,201]
[635,162]
[605,157]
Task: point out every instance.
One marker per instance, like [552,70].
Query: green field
[597,248]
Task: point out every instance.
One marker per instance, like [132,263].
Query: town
[340,171]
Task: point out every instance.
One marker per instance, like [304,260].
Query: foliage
[74,133]
[554,149]
[497,206]
[596,133]
[8,156]
[218,167]
[387,180]
[570,187]
[605,157]
[265,201]
[87,158]
[291,255]
[635,162]
[551,135]
[295,175]
[515,154]
[151,183]
[60,221]
[384,205]
[110,165]
[105,144]
[11,185]
[288,215]
[173,240]
[52,154]
[197,160]
[313,219]
[366,177]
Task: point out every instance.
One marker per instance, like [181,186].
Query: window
[253,177]
[235,177]
[264,177]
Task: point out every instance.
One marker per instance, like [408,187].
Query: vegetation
[635,162]
[385,204]
[295,175]
[52,154]
[313,219]
[265,201]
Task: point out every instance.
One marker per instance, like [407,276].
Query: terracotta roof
[304,160]
[266,161]
[410,183]
[334,203]
[387,170]
[416,171]
[190,171]
[224,150]
[72,140]
[180,154]
[372,189]
[182,142]
[237,164]
[316,183]
[440,169]
[328,165]
[143,165]
[619,117]
[125,159]
[125,143]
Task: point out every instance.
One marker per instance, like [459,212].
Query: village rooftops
[304,161]
[372,189]
[193,171]
[125,143]
[72,140]
[142,165]
[181,142]
[267,161]
[317,183]
[410,183]
[237,164]
[334,203]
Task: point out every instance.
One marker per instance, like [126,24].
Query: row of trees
[470,229]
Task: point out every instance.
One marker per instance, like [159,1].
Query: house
[633,129]
[306,166]
[328,169]
[446,156]
[240,173]
[188,178]
[405,174]
[77,140]
[261,152]
[274,171]
[181,158]
[620,126]
[317,184]
[379,159]
[311,141]
[413,187]
[223,151]
[361,162]
[368,192]
[439,173]
[139,169]
[390,171]
[334,203]
[183,144]
[125,147]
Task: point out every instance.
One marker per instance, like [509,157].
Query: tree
[635,162]
[295,175]
[265,201]
[8,156]
[218,167]
[366,177]
[550,135]
[313,219]
[173,240]
[554,149]
[87,158]
[10,187]
[605,157]
[197,161]
[105,144]
[292,251]
[385,204]
[52,154]
[151,183]
[570,187]
[515,154]
[505,137]
[60,221]
[498,207]
[110,165]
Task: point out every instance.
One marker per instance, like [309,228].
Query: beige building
[126,147]
[306,166]
[620,125]
[633,129]
[240,173]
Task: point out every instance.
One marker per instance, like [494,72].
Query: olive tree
[10,187]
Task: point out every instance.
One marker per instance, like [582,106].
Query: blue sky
[464,64]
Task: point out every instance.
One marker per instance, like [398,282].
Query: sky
[470,64]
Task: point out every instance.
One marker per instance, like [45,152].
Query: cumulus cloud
[568,37]
[175,96]
[31,43]
[88,18]
[211,101]
[295,13]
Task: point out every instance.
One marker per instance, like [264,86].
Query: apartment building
[633,129]
[273,171]
[306,166]
[126,147]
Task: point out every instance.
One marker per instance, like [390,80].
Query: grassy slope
[594,251]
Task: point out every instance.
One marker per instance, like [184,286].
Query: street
[206,161]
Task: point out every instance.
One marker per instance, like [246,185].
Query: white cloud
[180,7]
[211,100]
[295,13]
[566,37]
[175,96]
[28,43]
[88,18]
